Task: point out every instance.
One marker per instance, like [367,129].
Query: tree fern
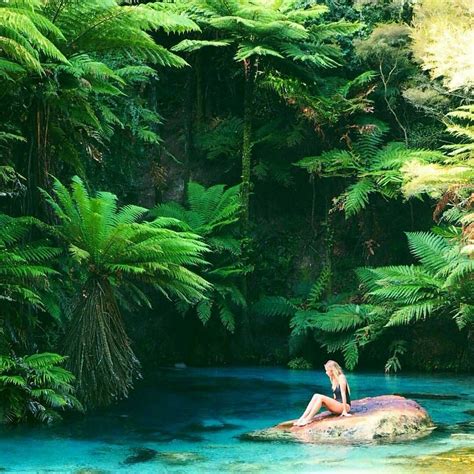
[27,34]
[441,284]
[111,249]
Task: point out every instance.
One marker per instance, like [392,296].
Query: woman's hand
[344,413]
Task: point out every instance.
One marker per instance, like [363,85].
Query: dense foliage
[246,173]
[34,387]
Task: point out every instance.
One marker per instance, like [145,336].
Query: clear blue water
[193,419]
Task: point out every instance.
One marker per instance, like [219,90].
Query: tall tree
[267,36]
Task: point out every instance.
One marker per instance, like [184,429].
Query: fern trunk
[249,71]
[98,349]
[38,167]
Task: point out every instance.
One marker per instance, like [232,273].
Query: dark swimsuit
[338,395]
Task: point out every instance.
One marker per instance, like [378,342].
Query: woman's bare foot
[302,422]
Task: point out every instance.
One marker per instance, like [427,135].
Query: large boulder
[386,418]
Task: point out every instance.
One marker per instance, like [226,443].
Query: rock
[386,418]
[141,455]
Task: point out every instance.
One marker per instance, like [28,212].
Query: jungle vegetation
[231,182]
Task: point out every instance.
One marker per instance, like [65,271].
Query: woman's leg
[316,403]
[311,404]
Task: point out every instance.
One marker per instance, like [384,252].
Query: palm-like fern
[112,250]
[377,167]
[33,31]
[34,387]
[279,29]
[211,214]
[443,283]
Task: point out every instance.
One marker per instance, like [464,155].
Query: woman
[340,404]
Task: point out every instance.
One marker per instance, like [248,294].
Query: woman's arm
[343,388]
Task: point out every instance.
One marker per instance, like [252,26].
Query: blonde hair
[336,372]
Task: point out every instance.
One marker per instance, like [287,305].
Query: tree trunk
[246,336]
[188,125]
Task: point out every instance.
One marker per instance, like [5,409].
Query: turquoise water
[189,420]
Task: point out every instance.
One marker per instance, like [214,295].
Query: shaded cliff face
[388,418]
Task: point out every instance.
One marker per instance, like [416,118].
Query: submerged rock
[386,418]
[180,458]
[141,455]
[455,460]
[210,425]
[92,470]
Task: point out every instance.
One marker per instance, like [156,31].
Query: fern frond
[357,196]
[274,306]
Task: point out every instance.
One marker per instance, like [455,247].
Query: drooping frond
[336,319]
[25,35]
[319,286]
